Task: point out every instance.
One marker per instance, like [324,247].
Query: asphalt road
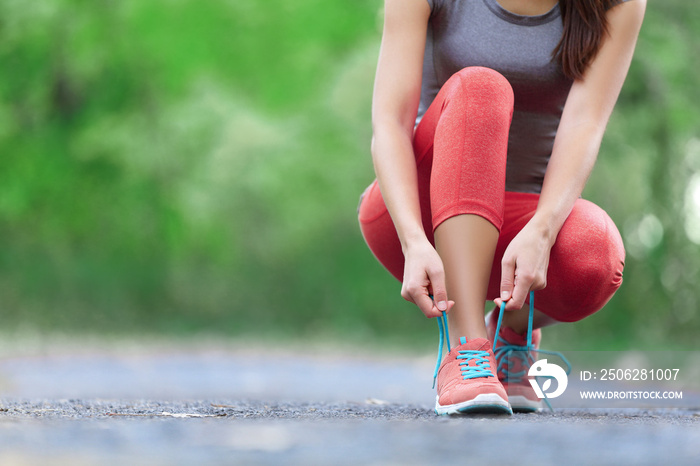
[82,403]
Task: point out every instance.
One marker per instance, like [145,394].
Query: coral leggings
[460,147]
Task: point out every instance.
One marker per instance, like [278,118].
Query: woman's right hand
[423,276]
[397,89]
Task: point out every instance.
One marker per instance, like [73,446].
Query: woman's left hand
[524,266]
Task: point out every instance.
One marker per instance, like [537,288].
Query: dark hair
[585,26]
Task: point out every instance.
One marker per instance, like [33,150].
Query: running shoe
[514,356]
[467,382]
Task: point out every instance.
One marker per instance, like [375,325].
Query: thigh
[585,264]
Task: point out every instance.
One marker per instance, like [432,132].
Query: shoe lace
[442,329]
[481,366]
[509,356]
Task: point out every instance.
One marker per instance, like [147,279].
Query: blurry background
[189,167]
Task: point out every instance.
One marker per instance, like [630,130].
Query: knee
[595,256]
[599,273]
[483,85]
[482,76]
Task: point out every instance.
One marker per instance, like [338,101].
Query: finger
[520,291]
[426,305]
[507,279]
[439,291]
[405,294]
[540,283]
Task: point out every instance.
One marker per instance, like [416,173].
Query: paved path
[90,404]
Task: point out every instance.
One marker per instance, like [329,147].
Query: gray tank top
[465,33]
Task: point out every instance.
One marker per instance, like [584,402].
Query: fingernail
[442,305]
[504,295]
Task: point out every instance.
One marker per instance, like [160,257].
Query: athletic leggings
[460,147]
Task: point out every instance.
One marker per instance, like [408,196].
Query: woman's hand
[524,266]
[424,275]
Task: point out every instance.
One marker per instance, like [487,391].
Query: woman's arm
[395,103]
[586,113]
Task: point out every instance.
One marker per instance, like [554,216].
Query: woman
[487,117]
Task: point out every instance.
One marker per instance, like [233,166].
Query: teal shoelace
[504,353]
[443,330]
[481,367]
[507,353]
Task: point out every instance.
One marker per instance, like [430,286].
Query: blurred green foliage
[183,166]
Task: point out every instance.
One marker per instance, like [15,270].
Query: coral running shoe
[514,356]
[467,382]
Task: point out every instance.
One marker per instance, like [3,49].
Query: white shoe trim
[482,402]
[522,403]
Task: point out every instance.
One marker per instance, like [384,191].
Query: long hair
[585,26]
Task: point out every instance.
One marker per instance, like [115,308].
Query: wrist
[413,240]
[546,226]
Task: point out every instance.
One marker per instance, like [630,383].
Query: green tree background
[185,166]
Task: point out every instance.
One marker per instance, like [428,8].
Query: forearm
[573,157]
[525,260]
[586,113]
[395,166]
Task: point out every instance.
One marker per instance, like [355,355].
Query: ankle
[469,337]
[469,329]
[469,334]
[517,329]
[511,322]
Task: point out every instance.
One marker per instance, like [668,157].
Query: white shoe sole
[518,403]
[486,403]
[522,404]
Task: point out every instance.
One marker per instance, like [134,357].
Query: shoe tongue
[474,344]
